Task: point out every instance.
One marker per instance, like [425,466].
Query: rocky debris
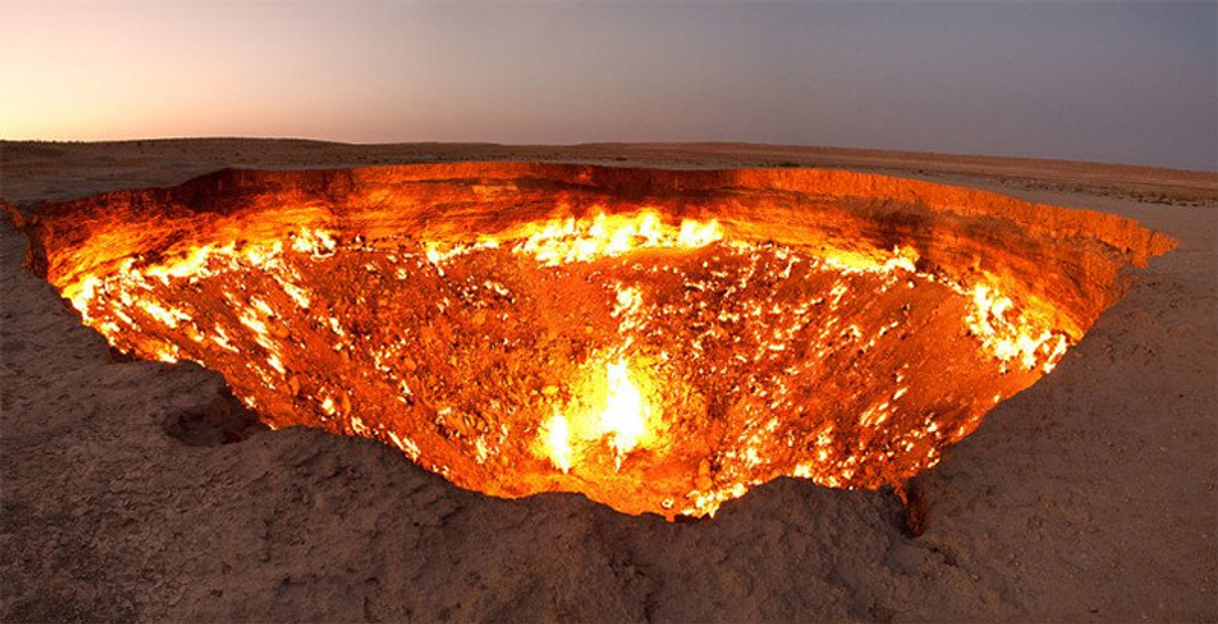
[218,418]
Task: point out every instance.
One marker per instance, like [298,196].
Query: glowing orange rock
[659,340]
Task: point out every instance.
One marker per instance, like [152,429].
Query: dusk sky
[1114,82]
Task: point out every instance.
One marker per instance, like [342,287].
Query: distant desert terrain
[1090,496]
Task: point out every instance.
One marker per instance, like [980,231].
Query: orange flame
[617,407]
[624,418]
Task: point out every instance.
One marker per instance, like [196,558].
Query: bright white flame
[558,442]
[565,241]
[1011,338]
[625,414]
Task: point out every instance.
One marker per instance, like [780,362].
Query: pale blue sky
[1116,82]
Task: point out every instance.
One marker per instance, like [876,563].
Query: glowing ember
[655,362]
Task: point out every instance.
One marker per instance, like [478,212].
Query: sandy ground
[1092,496]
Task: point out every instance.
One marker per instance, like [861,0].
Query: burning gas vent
[658,340]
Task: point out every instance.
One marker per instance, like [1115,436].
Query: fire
[610,417]
[559,242]
[557,442]
[654,361]
[624,418]
[1012,339]
[601,415]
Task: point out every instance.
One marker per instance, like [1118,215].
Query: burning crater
[660,341]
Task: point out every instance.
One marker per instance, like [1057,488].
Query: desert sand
[1091,496]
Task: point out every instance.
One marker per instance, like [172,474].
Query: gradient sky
[1115,82]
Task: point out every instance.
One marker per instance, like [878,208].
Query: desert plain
[1090,496]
